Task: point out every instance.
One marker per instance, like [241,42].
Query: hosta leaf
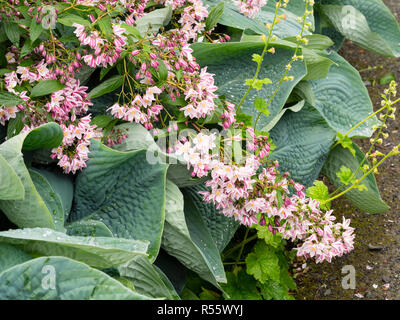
[286,28]
[303,140]
[362,22]
[232,64]
[125,192]
[221,228]
[11,187]
[342,98]
[51,199]
[62,185]
[140,138]
[146,279]
[98,252]
[32,210]
[186,237]
[154,20]
[367,200]
[11,256]
[73,280]
[88,228]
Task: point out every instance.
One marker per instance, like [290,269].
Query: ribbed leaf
[73,280]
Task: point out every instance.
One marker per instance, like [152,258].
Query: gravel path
[377,271]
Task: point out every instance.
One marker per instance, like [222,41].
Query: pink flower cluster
[69,102]
[63,106]
[142,109]
[74,150]
[105,51]
[252,196]
[250,7]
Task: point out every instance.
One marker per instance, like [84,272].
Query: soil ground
[377,271]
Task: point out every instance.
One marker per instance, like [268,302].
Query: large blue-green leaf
[221,228]
[368,23]
[367,200]
[303,141]
[290,27]
[140,138]
[62,185]
[51,199]
[186,237]
[125,192]
[147,280]
[11,187]
[31,210]
[232,64]
[59,278]
[342,98]
[88,228]
[11,256]
[98,252]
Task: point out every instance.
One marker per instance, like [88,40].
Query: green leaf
[35,30]
[261,105]
[387,78]
[9,99]
[13,33]
[70,19]
[369,201]
[286,28]
[214,16]
[11,187]
[186,237]
[125,191]
[45,87]
[74,280]
[320,193]
[49,135]
[342,98]
[62,185]
[106,86]
[102,120]
[315,41]
[11,256]
[269,238]
[274,290]
[98,252]
[221,228]
[231,64]
[51,199]
[15,125]
[262,263]
[240,287]
[16,210]
[303,141]
[345,175]
[346,143]
[146,279]
[154,20]
[369,23]
[88,228]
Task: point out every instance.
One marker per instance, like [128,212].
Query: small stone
[327,292]
[374,247]
[386,279]
[368,294]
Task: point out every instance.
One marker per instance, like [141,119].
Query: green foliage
[368,200]
[319,192]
